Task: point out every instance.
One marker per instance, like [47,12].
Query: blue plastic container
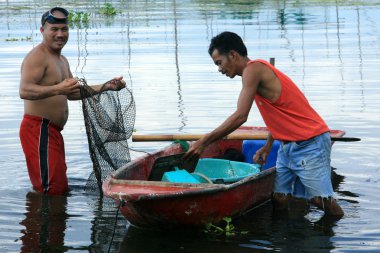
[179,176]
[225,171]
[251,146]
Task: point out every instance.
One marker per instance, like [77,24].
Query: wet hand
[69,86]
[195,151]
[260,156]
[115,84]
[190,156]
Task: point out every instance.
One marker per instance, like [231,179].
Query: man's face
[224,63]
[56,35]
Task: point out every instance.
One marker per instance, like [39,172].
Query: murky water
[330,48]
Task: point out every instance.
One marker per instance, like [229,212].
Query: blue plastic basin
[220,170]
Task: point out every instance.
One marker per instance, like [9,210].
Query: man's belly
[54,109]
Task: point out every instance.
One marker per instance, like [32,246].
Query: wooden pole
[232,136]
[272,61]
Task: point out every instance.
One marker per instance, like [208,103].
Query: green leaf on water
[228,230]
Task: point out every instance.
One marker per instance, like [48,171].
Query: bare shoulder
[259,67]
[256,69]
[254,73]
[64,59]
[35,57]
[268,85]
[34,65]
[255,66]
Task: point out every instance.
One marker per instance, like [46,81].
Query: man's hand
[261,155]
[69,86]
[115,84]
[195,151]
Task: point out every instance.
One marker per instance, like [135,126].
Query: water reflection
[181,115]
[82,41]
[298,234]
[173,240]
[361,82]
[331,48]
[337,180]
[261,230]
[45,223]
[292,231]
[107,225]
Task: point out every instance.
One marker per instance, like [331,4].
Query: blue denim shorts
[303,168]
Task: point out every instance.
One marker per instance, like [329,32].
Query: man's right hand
[261,155]
[195,151]
[69,86]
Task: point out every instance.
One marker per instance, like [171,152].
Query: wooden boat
[147,203]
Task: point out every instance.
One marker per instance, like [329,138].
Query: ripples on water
[331,51]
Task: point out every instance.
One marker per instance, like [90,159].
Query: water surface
[331,49]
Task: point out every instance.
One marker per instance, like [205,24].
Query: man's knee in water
[328,205]
[280,200]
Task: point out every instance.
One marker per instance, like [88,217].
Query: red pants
[44,151]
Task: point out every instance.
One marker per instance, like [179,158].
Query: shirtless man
[46,84]
[303,168]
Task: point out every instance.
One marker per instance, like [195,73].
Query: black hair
[227,41]
[43,18]
[50,18]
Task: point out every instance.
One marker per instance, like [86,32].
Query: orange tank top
[290,117]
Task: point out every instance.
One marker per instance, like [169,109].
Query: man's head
[227,41]
[228,53]
[56,15]
[55,29]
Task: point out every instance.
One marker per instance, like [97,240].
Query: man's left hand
[114,84]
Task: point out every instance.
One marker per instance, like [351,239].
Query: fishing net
[109,119]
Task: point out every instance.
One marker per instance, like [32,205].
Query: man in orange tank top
[303,168]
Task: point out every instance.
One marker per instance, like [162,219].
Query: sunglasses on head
[50,18]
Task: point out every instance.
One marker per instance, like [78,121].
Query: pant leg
[284,179]
[311,163]
[43,147]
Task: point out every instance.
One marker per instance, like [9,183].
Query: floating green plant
[18,8]
[108,10]
[79,18]
[22,39]
[228,230]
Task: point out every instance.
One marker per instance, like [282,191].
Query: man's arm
[261,154]
[251,80]
[32,73]
[114,84]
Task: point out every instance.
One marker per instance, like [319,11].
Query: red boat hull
[152,204]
